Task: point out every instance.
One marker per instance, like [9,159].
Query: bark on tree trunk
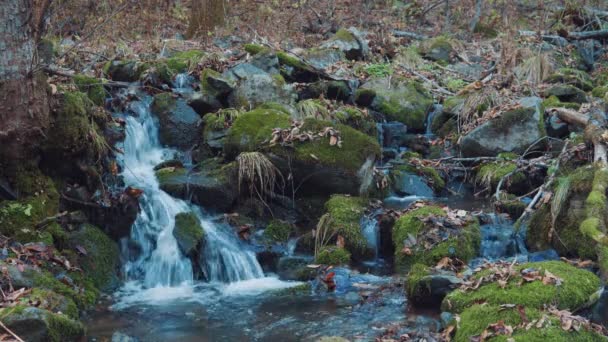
[206,15]
[24,108]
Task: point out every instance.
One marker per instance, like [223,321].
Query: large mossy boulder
[574,77]
[317,165]
[323,58]
[438,49]
[178,122]
[477,318]
[513,131]
[567,93]
[38,325]
[574,291]
[399,99]
[254,87]
[421,181]
[412,245]
[573,189]
[346,213]
[426,287]
[188,233]
[350,42]
[211,185]
[101,262]
[124,71]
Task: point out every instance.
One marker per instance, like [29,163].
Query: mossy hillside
[403,100]
[93,87]
[57,327]
[188,232]
[18,218]
[333,256]
[278,231]
[477,318]
[575,291]
[101,262]
[346,213]
[464,246]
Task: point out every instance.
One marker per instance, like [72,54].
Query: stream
[161,301]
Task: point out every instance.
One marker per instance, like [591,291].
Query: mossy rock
[567,239]
[463,246]
[490,174]
[41,200]
[438,49]
[347,41]
[102,259]
[124,71]
[333,256]
[575,291]
[184,60]
[93,87]
[600,92]
[53,302]
[215,84]
[430,175]
[567,93]
[574,77]
[188,233]
[553,101]
[332,168]
[426,287]
[475,319]
[399,99]
[178,122]
[346,213]
[39,325]
[302,289]
[84,294]
[357,119]
[278,231]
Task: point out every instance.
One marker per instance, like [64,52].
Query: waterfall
[371,231]
[158,261]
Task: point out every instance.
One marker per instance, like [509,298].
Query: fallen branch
[599,34]
[438,88]
[50,219]
[10,332]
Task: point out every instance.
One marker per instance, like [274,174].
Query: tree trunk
[24,108]
[206,16]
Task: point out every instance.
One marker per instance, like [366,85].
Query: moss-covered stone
[333,256]
[567,93]
[53,302]
[346,213]
[188,233]
[431,175]
[575,77]
[93,87]
[184,60]
[477,318]
[463,245]
[574,292]
[38,325]
[278,231]
[102,260]
[84,294]
[600,92]
[438,49]
[553,101]
[357,119]
[402,100]
[490,174]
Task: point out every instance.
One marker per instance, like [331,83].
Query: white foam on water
[257,286]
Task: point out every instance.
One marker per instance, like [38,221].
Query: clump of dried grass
[535,69]
[323,233]
[312,108]
[259,173]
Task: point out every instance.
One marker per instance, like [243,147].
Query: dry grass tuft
[324,232]
[259,173]
[535,69]
[312,108]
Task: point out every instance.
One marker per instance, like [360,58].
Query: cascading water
[371,231]
[159,262]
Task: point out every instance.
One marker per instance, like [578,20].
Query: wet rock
[39,325]
[567,93]
[124,71]
[400,100]
[269,259]
[102,259]
[212,187]
[427,288]
[513,131]
[188,233]
[547,255]
[393,134]
[114,134]
[557,128]
[169,163]
[120,337]
[6,192]
[410,184]
[204,103]
[178,122]
[295,268]
[348,41]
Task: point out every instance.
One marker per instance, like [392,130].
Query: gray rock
[178,123]
[469,71]
[204,103]
[266,61]
[323,58]
[295,268]
[392,134]
[431,289]
[567,93]
[257,89]
[513,131]
[350,42]
[409,184]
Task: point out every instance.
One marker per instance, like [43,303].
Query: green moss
[577,78]
[463,245]
[455,84]
[600,91]
[53,302]
[278,231]
[333,256]
[102,259]
[182,61]
[254,48]
[510,118]
[344,35]
[415,285]
[291,61]
[553,101]
[357,119]
[84,297]
[250,130]
[62,328]
[188,232]
[477,318]
[573,293]
[346,213]
[491,173]
[93,87]
[430,174]
[302,289]
[408,103]
[379,70]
